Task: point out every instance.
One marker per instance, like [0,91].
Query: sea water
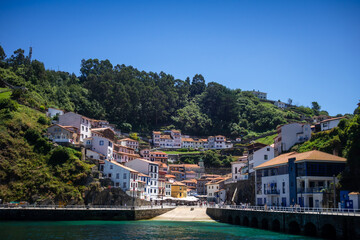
[133,230]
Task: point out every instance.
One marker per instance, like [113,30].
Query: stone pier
[330,226]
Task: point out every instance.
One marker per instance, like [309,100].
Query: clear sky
[306,50]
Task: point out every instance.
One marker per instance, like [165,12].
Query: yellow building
[178,190]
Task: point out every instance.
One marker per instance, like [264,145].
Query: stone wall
[62,214]
[309,224]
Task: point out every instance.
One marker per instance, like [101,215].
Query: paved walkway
[185,214]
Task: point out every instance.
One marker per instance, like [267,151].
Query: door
[311,202]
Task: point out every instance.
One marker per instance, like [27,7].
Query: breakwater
[330,225]
[80,213]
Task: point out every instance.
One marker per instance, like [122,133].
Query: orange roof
[187,140]
[331,119]
[156,132]
[190,172]
[169,176]
[177,131]
[178,184]
[143,175]
[165,136]
[128,139]
[189,181]
[314,155]
[123,166]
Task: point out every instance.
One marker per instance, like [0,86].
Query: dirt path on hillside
[185,214]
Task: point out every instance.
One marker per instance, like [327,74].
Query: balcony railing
[310,190]
[272,191]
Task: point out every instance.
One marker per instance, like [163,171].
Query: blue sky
[306,50]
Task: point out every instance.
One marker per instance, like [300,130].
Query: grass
[182,153]
[5,93]
[266,140]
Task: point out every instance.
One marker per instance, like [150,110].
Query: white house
[122,176]
[100,145]
[239,169]
[259,155]
[291,134]
[149,168]
[167,139]
[168,188]
[218,142]
[330,123]
[83,124]
[52,112]
[131,143]
[214,188]
[280,104]
[297,178]
[261,95]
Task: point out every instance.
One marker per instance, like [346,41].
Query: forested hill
[143,101]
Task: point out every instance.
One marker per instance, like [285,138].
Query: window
[109,175]
[87,129]
[117,176]
[265,157]
[101,142]
[111,166]
[88,142]
[82,128]
[268,149]
[235,170]
[110,144]
[124,176]
[283,187]
[124,185]
[117,184]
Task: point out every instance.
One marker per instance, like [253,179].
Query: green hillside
[31,168]
[142,101]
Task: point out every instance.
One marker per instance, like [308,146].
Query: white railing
[84,207]
[303,210]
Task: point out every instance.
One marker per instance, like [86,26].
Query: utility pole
[334,192]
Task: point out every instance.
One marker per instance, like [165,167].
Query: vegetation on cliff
[31,168]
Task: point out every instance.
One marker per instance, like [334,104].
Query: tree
[197,85]
[315,107]
[290,101]
[2,54]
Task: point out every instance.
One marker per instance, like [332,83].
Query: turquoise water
[133,230]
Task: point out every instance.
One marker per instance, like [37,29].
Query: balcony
[310,190]
[272,192]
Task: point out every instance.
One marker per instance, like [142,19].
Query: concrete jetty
[185,214]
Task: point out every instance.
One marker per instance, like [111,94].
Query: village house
[104,132]
[158,157]
[83,124]
[318,119]
[280,104]
[149,168]
[259,153]
[122,177]
[124,154]
[131,143]
[52,112]
[191,185]
[94,155]
[100,145]
[239,169]
[289,135]
[145,153]
[168,189]
[330,123]
[297,178]
[214,188]
[258,94]
[167,139]
[146,180]
[63,134]
[218,142]
[201,183]
[178,190]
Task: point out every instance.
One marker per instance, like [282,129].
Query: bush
[59,156]
[43,120]
[42,145]
[9,104]
[31,135]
